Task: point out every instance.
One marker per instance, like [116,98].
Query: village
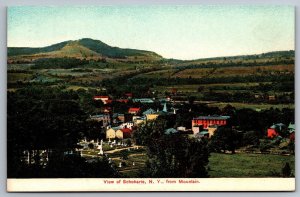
[121,150]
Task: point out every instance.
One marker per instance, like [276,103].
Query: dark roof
[214,117]
[170,131]
[99,115]
[149,111]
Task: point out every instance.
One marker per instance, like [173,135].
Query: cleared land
[248,165]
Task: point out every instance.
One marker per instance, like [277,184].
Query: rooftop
[214,117]
[170,131]
[134,109]
[99,115]
[149,111]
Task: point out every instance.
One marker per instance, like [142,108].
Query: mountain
[83,48]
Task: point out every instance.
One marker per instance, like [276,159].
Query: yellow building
[110,133]
[119,134]
[151,116]
[211,130]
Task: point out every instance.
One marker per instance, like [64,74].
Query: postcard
[151,98]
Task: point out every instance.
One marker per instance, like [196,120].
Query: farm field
[232,71]
[219,72]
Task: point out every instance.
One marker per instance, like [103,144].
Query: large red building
[206,121]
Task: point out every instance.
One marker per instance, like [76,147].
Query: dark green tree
[225,138]
[176,156]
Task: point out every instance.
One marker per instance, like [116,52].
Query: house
[271,132]
[104,118]
[123,133]
[150,114]
[164,100]
[197,128]
[291,129]
[118,118]
[206,121]
[111,132]
[134,110]
[129,95]
[138,119]
[104,99]
[170,131]
[106,109]
[272,97]
[275,129]
[202,134]
[257,96]
[181,128]
[143,100]
[128,125]
[211,130]
[122,100]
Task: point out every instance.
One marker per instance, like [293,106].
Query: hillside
[83,48]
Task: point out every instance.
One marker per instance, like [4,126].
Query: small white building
[128,125]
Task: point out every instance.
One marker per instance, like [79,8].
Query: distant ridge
[87,48]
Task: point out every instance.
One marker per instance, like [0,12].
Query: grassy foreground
[248,165]
[240,165]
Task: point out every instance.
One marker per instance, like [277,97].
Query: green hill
[83,48]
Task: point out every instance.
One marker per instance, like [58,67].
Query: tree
[148,131]
[176,156]
[250,138]
[286,170]
[50,120]
[224,139]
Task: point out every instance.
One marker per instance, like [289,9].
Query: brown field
[233,71]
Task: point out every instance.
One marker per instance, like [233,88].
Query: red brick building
[206,121]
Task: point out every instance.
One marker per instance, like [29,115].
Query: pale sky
[180,32]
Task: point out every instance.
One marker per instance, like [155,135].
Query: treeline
[190,80]
[285,86]
[248,97]
[43,119]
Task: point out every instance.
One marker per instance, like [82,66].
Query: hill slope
[83,48]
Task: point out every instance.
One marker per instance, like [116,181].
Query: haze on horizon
[179,32]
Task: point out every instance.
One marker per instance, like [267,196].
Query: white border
[3,76]
[153,184]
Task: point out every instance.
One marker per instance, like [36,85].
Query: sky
[179,32]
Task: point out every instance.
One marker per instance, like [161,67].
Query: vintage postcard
[151,98]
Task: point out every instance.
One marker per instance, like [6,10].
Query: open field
[194,87]
[220,72]
[248,165]
[232,71]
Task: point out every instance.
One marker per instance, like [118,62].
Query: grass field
[248,165]
[220,165]
[233,71]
